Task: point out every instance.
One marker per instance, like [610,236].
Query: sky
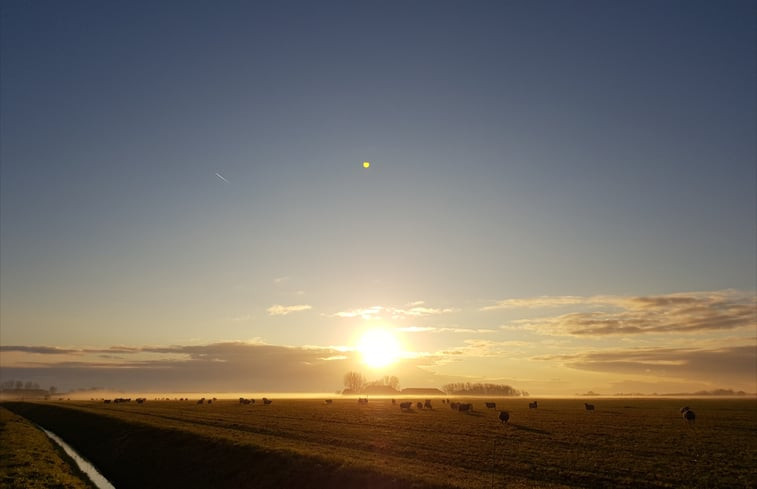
[562,195]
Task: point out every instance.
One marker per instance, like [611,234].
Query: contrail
[222,177]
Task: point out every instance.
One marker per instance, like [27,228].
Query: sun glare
[379,348]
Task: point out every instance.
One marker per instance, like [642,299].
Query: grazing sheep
[267,401]
[406,406]
[688,415]
[504,417]
[328,401]
[465,407]
[533,405]
[201,401]
[427,404]
[394,401]
[453,405]
[107,401]
[491,405]
[362,400]
[589,407]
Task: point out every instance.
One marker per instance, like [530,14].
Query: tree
[354,381]
[53,389]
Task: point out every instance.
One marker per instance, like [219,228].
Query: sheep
[589,407]
[533,405]
[491,405]
[267,401]
[465,407]
[688,414]
[427,404]
[419,405]
[504,417]
[406,406]
[328,401]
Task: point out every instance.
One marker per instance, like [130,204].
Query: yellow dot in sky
[366,164]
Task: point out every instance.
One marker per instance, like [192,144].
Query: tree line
[479,389]
[17,385]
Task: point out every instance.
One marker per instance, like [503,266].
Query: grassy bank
[29,460]
[137,455]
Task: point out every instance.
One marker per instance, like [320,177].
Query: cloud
[425,329]
[43,350]
[673,313]
[365,313]
[412,310]
[279,310]
[723,366]
[219,367]
[548,301]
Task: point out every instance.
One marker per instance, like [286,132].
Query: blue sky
[520,150]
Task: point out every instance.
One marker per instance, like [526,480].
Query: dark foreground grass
[625,443]
[138,455]
[28,459]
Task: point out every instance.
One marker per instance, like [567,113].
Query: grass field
[29,460]
[628,443]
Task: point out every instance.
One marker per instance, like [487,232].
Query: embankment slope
[29,460]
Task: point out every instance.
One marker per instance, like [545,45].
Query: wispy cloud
[424,329]
[365,313]
[548,301]
[222,178]
[672,313]
[279,310]
[415,309]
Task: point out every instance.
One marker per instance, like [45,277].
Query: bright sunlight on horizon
[379,348]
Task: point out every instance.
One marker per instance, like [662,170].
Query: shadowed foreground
[29,460]
[305,443]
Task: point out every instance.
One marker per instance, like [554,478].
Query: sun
[379,348]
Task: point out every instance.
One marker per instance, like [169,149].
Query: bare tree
[354,381]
